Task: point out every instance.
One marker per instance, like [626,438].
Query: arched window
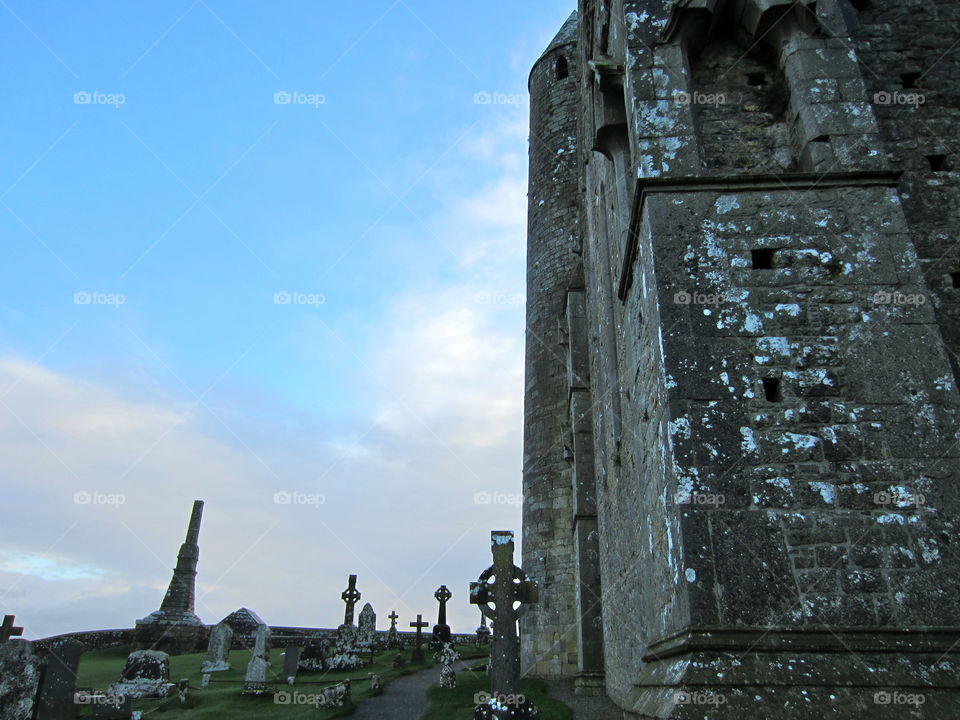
[561,67]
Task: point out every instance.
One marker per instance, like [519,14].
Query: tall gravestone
[175,627]
[441,631]
[255,681]
[483,632]
[218,649]
[291,663]
[418,654]
[61,661]
[346,657]
[21,667]
[393,637]
[367,627]
[502,585]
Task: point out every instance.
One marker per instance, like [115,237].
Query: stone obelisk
[175,627]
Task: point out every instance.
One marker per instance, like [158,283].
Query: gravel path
[403,699]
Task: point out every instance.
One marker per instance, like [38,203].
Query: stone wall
[549,629]
[769,262]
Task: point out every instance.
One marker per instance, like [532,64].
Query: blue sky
[153,168]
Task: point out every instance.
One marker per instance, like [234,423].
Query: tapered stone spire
[175,627]
[181,594]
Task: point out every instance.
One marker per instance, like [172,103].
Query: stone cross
[8,630]
[418,655]
[441,631]
[510,585]
[351,596]
[393,619]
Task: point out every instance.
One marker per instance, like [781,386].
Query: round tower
[548,642]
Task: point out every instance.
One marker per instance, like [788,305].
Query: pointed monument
[175,627]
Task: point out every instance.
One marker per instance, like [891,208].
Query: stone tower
[741,454]
[175,627]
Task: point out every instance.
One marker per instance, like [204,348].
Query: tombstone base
[174,634]
[590,683]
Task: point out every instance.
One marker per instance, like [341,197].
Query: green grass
[458,704]
[221,699]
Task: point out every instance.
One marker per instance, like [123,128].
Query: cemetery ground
[221,698]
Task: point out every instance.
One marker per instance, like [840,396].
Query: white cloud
[398,487]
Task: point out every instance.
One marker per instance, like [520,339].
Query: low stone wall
[95,639]
[281,637]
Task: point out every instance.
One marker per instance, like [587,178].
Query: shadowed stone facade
[741,457]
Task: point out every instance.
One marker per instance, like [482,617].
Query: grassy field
[458,704]
[221,699]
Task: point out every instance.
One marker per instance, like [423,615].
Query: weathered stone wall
[549,628]
[771,351]
[911,73]
[95,639]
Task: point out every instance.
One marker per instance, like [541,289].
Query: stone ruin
[175,627]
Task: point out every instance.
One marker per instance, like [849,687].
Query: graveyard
[627,329]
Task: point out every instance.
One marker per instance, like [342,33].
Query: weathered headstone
[183,685]
[376,684]
[336,696]
[418,654]
[447,657]
[21,667]
[61,658]
[441,631]
[145,675]
[367,628]
[218,649]
[261,642]
[314,657]
[399,661]
[393,638]
[255,681]
[503,584]
[291,662]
